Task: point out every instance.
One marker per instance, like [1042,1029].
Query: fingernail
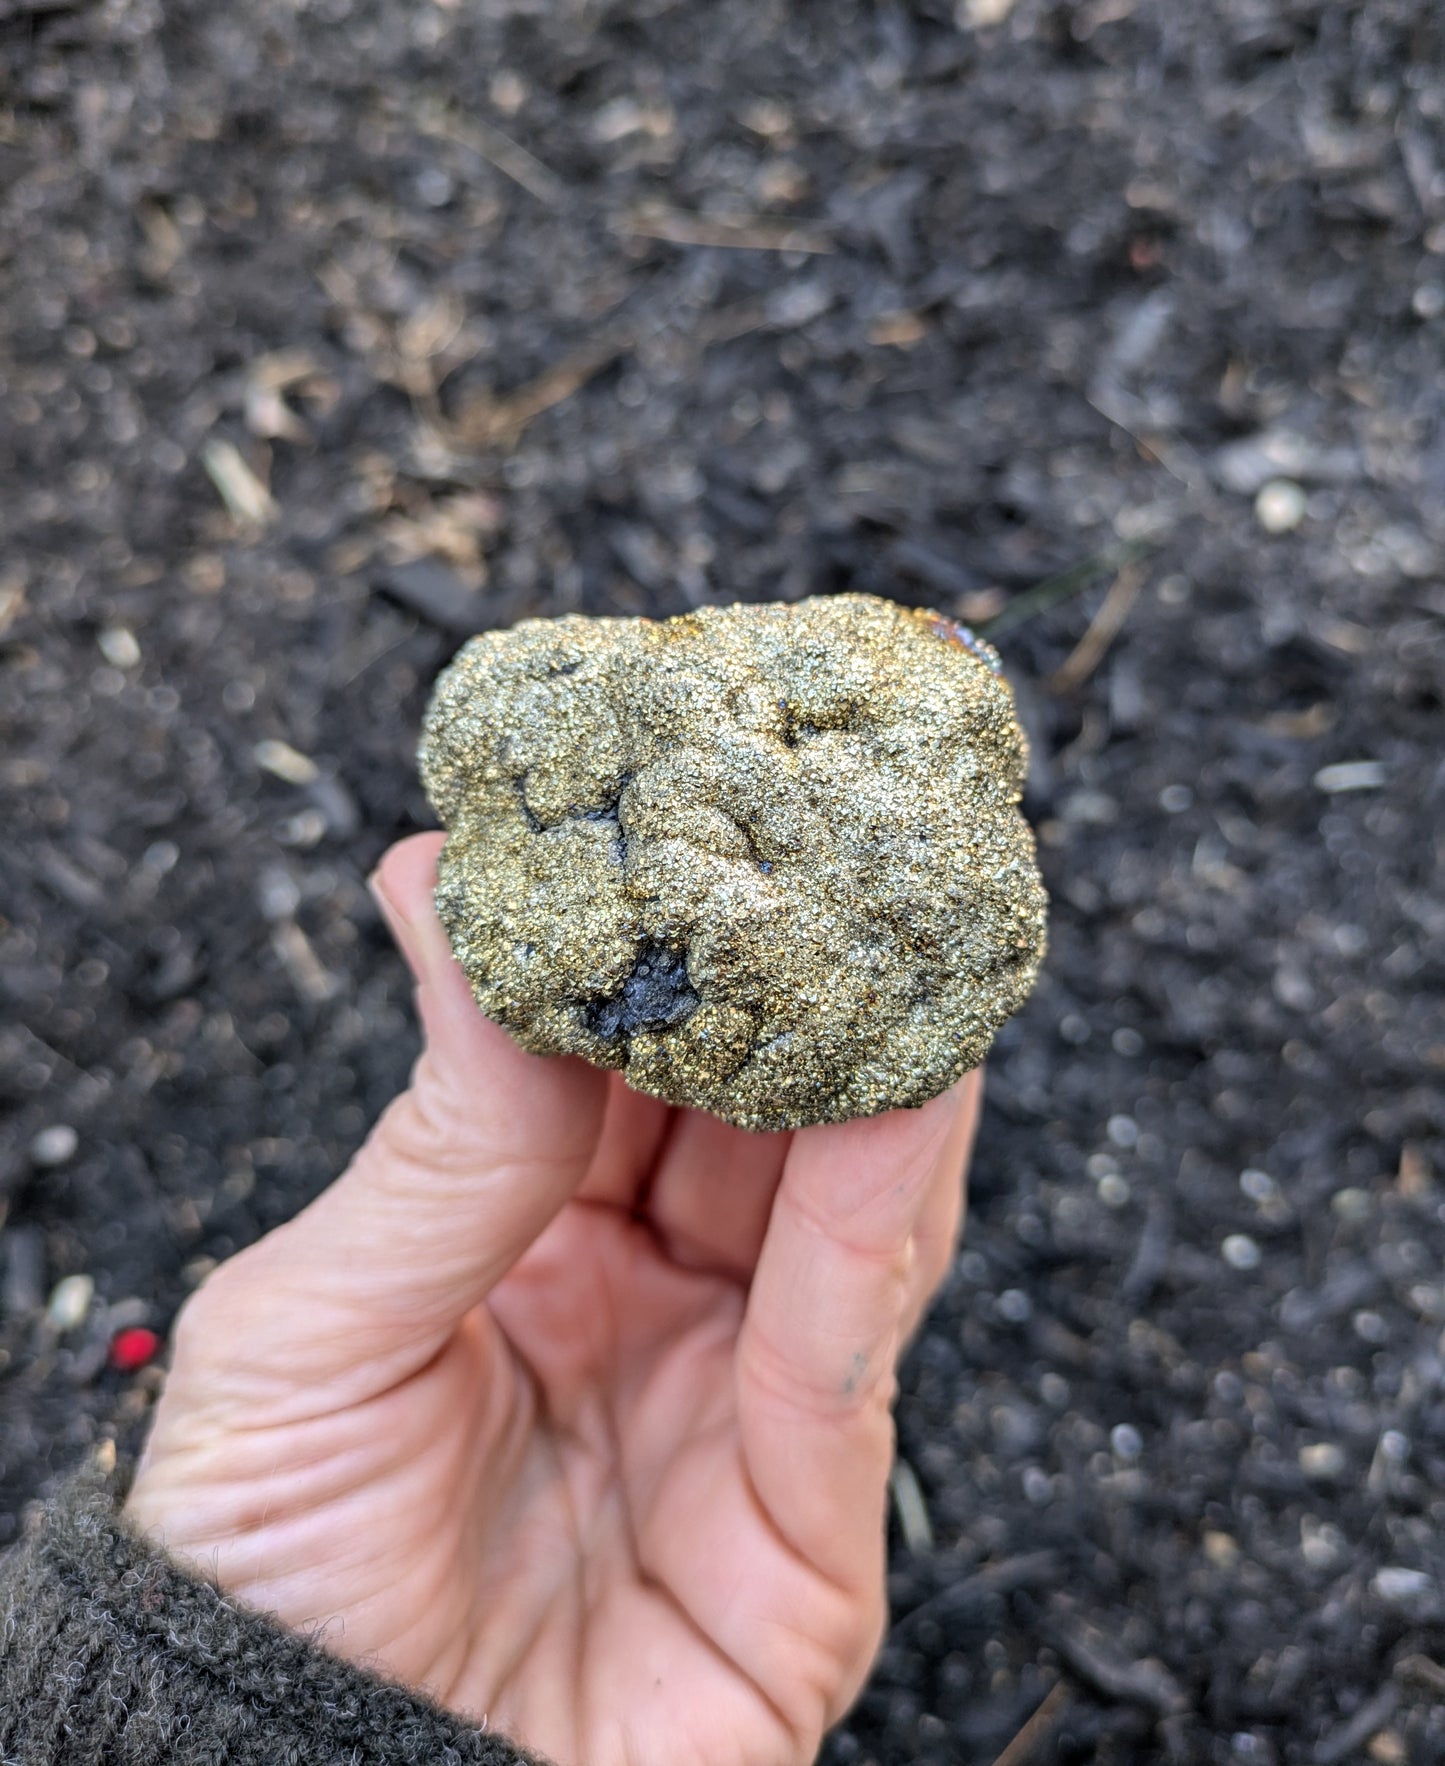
[384,901]
[420,939]
[402,929]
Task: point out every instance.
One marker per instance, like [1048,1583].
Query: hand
[566,1408]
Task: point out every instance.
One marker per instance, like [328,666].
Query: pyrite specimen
[767,860]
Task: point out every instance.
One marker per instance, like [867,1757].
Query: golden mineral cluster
[767,860]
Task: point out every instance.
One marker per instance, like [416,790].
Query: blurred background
[333,331]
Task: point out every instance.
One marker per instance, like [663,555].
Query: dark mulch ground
[626,306]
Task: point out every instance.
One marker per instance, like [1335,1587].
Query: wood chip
[742,233]
[12,596]
[910,1507]
[284,762]
[901,330]
[310,977]
[982,14]
[245,496]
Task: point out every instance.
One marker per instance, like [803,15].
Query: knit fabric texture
[111,1655]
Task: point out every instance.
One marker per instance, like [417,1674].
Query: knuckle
[433,1129]
[426,1126]
[852,1385]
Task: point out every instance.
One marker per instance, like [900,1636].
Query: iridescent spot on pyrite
[766,860]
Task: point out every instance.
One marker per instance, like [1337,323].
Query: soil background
[333,330]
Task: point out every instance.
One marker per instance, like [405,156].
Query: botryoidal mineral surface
[766,860]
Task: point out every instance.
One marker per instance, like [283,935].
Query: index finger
[826,1319]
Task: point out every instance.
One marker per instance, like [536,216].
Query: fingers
[940,1222]
[634,1130]
[460,1175]
[713,1192]
[856,1228]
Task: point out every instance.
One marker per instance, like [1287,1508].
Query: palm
[603,1523]
[618,1489]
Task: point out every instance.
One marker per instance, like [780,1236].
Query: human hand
[567,1408]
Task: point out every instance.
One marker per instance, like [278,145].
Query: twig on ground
[746,233]
[497,149]
[1105,626]
[1033,1569]
[1054,589]
[487,422]
[1147,1682]
[1044,1720]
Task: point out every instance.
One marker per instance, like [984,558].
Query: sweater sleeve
[109,1652]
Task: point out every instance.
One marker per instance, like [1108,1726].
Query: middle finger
[713,1192]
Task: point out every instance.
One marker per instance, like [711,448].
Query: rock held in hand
[767,860]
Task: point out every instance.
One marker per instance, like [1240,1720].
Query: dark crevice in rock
[657,995]
[562,668]
[534,821]
[750,841]
[611,810]
[843,718]
[792,729]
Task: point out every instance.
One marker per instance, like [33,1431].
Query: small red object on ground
[132,1349]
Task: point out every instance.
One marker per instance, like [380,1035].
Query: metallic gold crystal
[767,860]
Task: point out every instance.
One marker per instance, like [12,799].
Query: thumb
[459,1176]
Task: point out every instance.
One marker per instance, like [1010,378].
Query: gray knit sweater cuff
[110,1653]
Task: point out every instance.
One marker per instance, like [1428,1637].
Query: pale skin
[565,1408]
